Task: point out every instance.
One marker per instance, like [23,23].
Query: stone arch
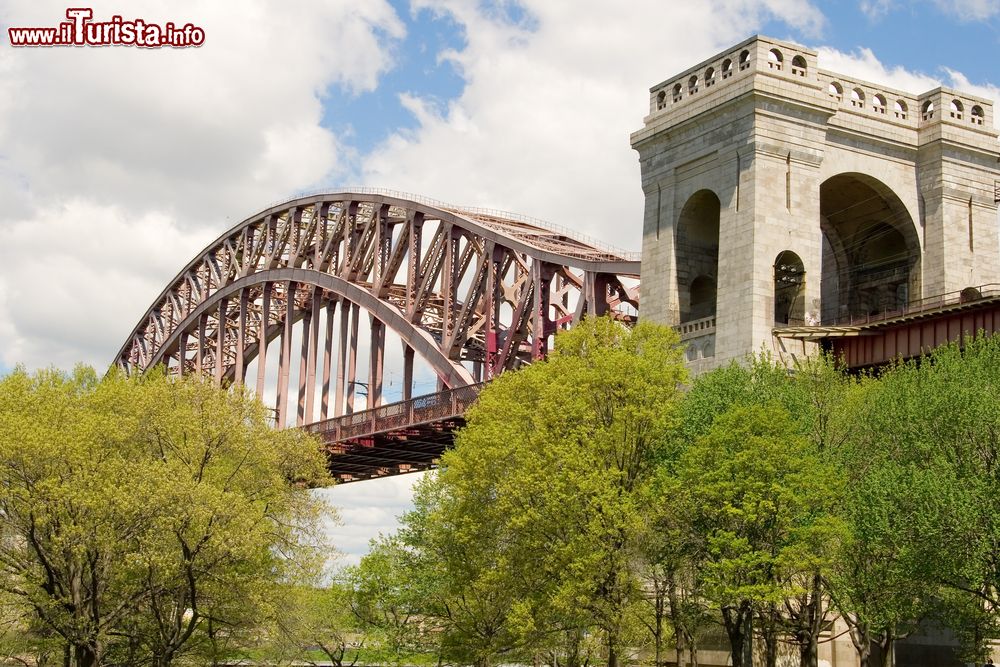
[661,100]
[789,289]
[693,84]
[977,115]
[677,92]
[697,255]
[745,59]
[799,66]
[871,249]
[727,68]
[957,109]
[858,98]
[878,103]
[709,76]
[836,90]
[774,59]
[900,109]
[927,110]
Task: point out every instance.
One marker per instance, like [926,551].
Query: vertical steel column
[331,311]
[182,346]
[541,276]
[352,361]
[199,357]
[416,224]
[313,335]
[376,357]
[345,316]
[220,341]
[265,316]
[448,286]
[300,412]
[284,357]
[239,368]
[407,372]
[491,309]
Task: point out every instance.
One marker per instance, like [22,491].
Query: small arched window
[858,98]
[900,109]
[744,60]
[956,109]
[836,90]
[878,103]
[677,92]
[774,59]
[927,111]
[709,76]
[799,66]
[693,85]
[661,100]
[727,68]
[977,115]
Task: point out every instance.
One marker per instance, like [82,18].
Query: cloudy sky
[118,164]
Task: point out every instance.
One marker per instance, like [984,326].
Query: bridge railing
[394,416]
[929,303]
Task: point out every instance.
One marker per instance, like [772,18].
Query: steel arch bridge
[469,292]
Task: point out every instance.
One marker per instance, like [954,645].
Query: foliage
[531,531]
[144,518]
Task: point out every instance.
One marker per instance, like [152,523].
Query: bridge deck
[396,438]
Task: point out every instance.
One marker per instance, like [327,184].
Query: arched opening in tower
[871,252]
[789,289]
[697,254]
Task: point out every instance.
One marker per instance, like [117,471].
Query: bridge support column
[199,357]
[182,346]
[331,311]
[239,367]
[220,341]
[352,359]
[284,357]
[376,357]
[300,412]
[265,316]
[407,372]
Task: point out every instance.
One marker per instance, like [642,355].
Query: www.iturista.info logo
[81,30]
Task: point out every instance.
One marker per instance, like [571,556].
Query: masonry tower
[779,194]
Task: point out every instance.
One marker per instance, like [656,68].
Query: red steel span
[306,290]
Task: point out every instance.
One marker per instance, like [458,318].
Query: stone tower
[779,194]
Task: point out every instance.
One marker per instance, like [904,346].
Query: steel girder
[471,292]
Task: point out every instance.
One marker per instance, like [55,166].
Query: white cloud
[969,10]
[118,163]
[368,509]
[542,126]
[875,9]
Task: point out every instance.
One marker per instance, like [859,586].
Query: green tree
[391,602]
[814,396]
[536,516]
[757,494]
[924,452]
[140,515]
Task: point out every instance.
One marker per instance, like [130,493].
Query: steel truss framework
[473,293]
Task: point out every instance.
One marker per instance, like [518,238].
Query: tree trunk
[612,652]
[739,628]
[809,631]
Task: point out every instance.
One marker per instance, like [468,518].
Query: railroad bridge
[787,207]
[293,299]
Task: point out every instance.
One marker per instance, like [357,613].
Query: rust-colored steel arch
[472,292]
